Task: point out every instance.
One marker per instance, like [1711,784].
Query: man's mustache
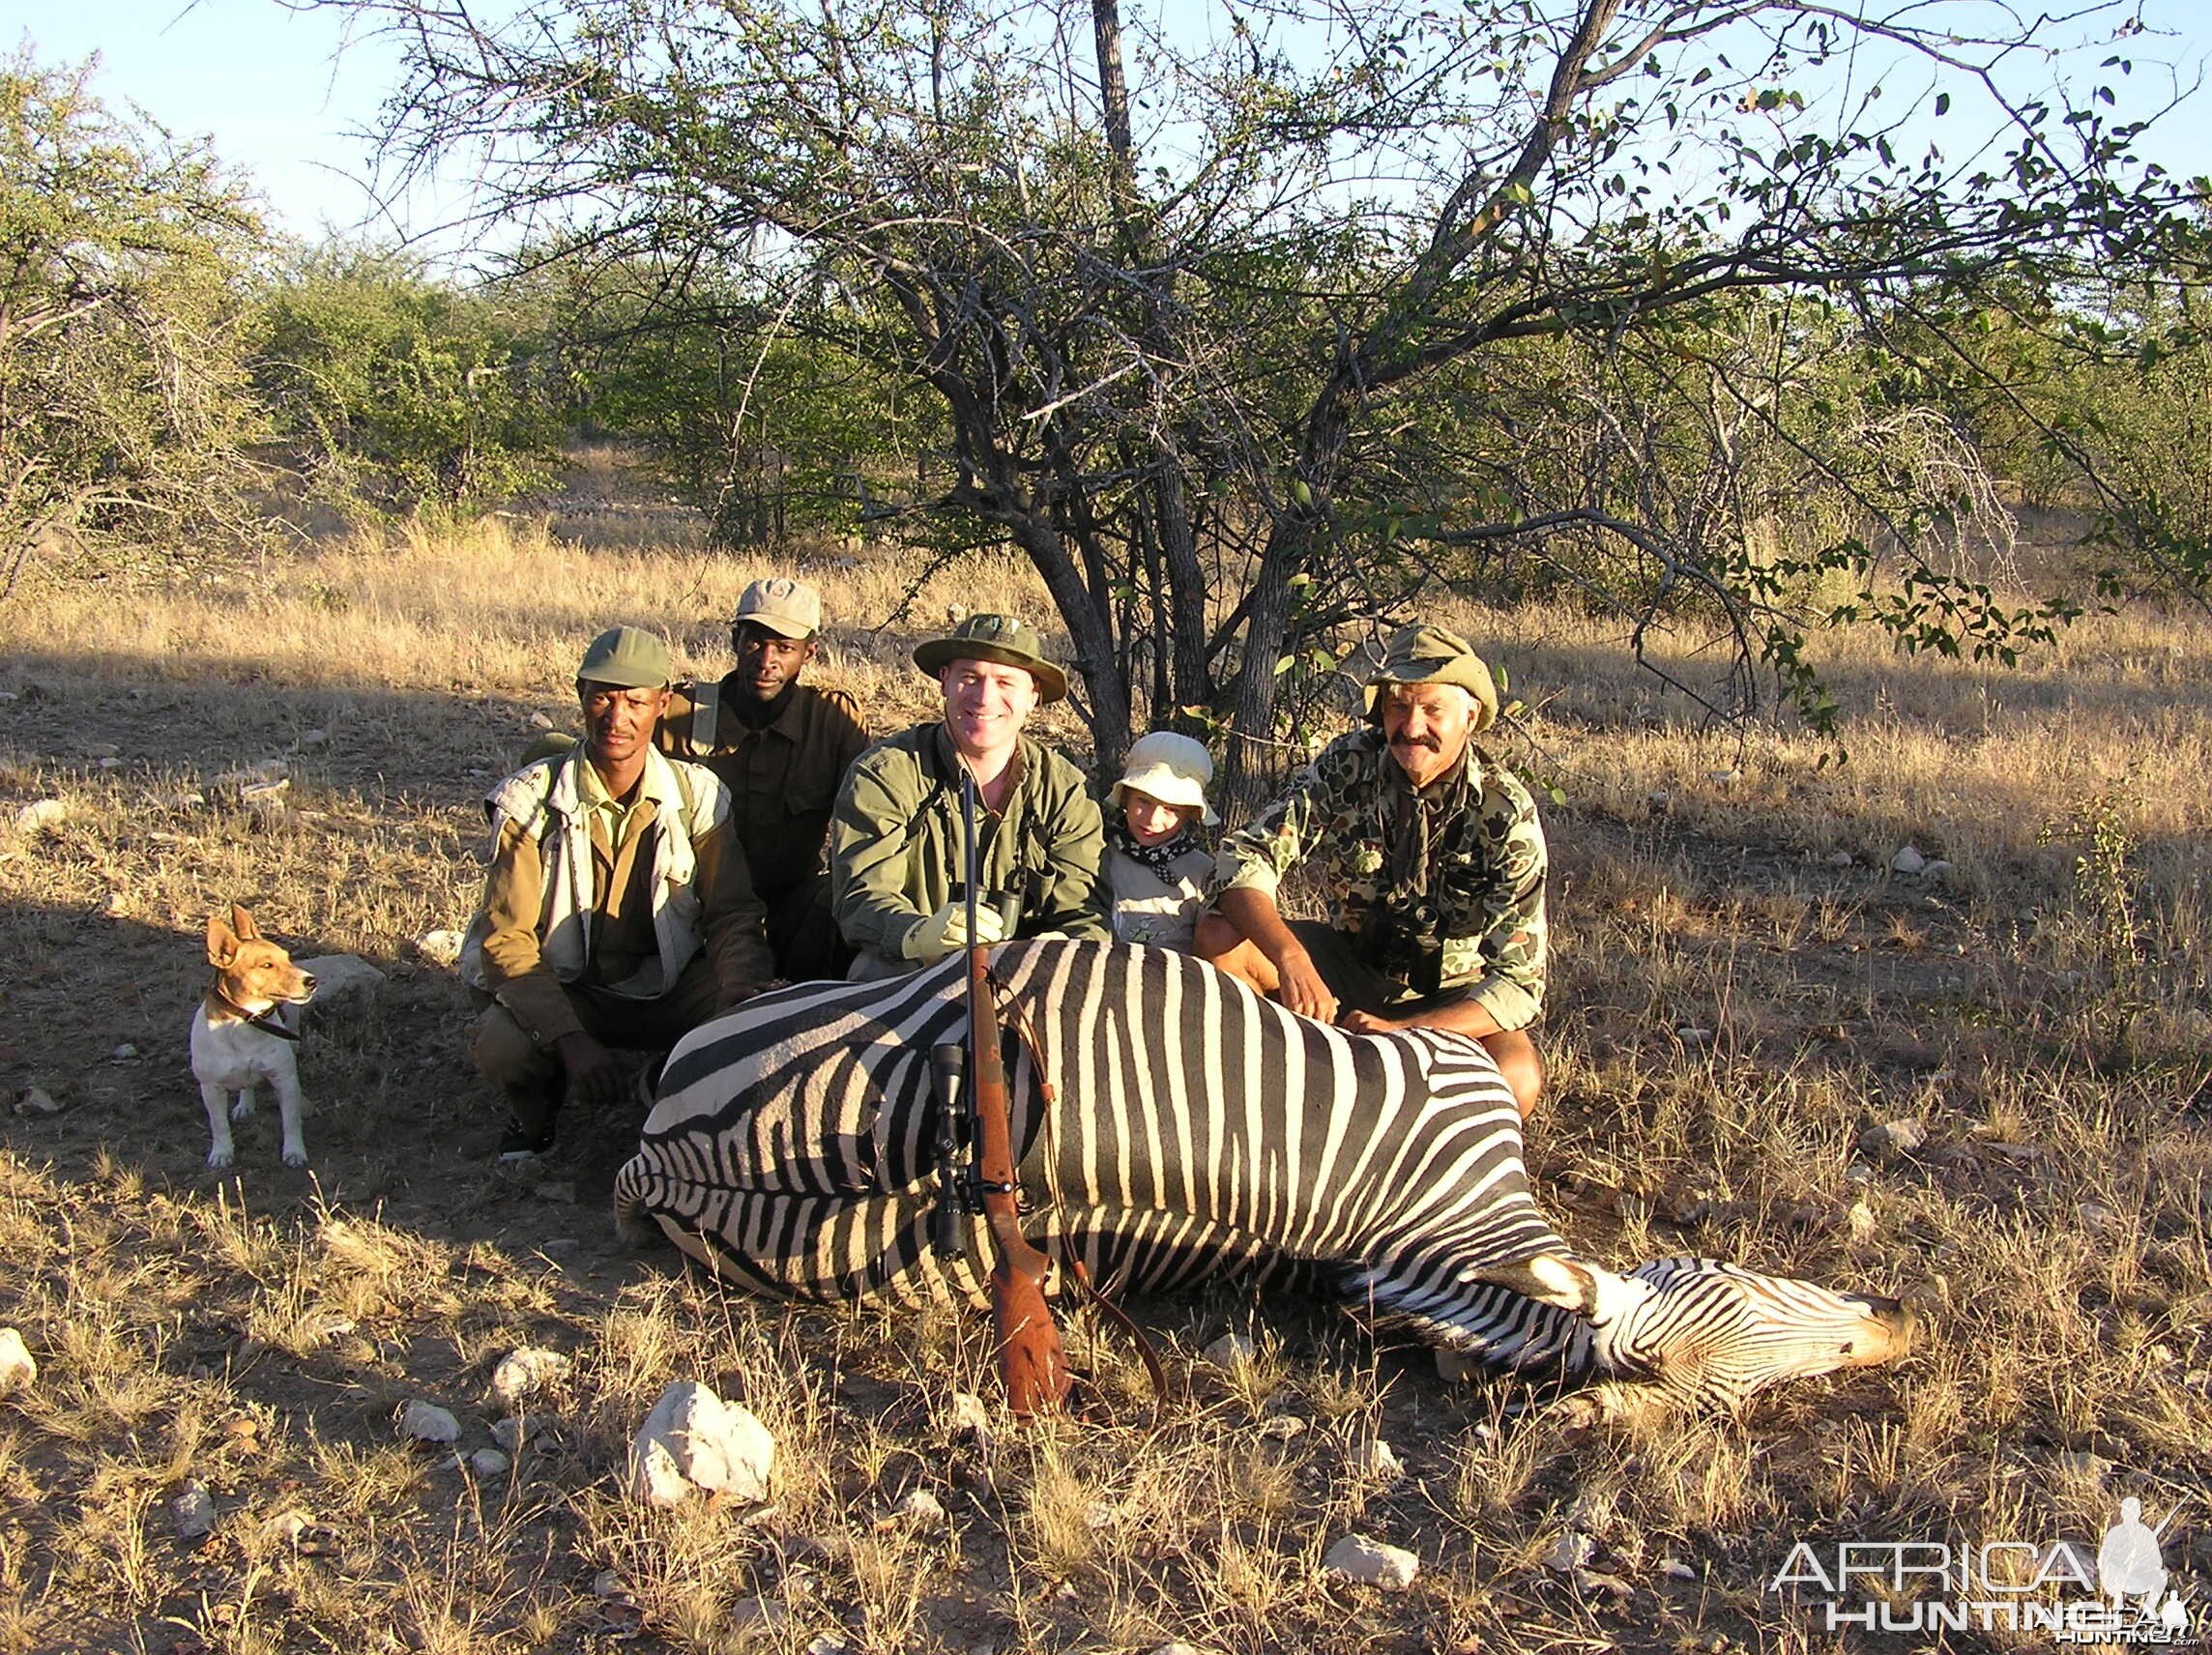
[1411,741]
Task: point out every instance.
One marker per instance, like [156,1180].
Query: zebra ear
[1548,1278]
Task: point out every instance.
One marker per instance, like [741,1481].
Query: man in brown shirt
[616,912]
[781,747]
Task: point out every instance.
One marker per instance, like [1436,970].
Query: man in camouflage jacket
[1431,859]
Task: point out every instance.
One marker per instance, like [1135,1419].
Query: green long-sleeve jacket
[897,850]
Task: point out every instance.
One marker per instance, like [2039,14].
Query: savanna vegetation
[1746,416]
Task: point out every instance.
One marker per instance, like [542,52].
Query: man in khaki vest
[617,910]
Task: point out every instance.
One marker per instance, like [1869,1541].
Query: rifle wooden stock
[1030,1361]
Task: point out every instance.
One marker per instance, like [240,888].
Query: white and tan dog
[238,1041]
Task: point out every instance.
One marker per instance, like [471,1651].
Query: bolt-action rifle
[1030,1361]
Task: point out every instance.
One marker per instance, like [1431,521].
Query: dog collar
[264,1021]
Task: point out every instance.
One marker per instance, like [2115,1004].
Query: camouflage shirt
[1440,889]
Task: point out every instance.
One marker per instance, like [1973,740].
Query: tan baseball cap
[788,608]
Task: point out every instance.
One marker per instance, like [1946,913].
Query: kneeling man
[897,854]
[1433,860]
[617,911]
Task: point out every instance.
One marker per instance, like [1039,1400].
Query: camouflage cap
[1437,655]
[1000,638]
[628,658]
[788,608]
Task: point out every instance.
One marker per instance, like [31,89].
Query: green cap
[1000,638]
[1437,655]
[629,658]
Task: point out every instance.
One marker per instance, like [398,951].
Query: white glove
[945,932]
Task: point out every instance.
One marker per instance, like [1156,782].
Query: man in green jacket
[896,851]
[1432,858]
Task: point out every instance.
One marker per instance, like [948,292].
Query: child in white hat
[1154,871]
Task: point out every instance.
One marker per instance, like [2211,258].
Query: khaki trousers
[527,1072]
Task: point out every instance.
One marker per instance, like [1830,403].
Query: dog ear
[222,942]
[241,923]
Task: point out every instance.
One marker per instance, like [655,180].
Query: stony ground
[1747,998]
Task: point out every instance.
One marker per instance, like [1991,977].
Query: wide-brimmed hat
[1000,638]
[1437,655]
[788,608]
[627,657]
[1172,769]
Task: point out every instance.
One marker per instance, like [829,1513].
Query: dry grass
[258,1332]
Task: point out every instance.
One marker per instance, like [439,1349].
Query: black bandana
[1160,858]
[1403,937]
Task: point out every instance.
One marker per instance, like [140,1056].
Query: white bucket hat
[1172,769]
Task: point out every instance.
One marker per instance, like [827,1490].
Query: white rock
[538,721]
[1907,862]
[1694,1036]
[1370,1564]
[314,738]
[192,1511]
[1569,1553]
[1724,778]
[110,763]
[1377,1459]
[608,1583]
[440,948]
[1177,1647]
[488,1462]
[17,1369]
[968,1416]
[1841,859]
[1861,1220]
[921,1508]
[525,1369]
[123,1054]
[1936,871]
[40,813]
[288,1525]
[1901,1136]
[342,979]
[694,1439]
[2098,1216]
[34,1101]
[510,1433]
[759,1615]
[101,750]
[1677,1569]
[426,1422]
[1281,1427]
[1230,1352]
[825,1644]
